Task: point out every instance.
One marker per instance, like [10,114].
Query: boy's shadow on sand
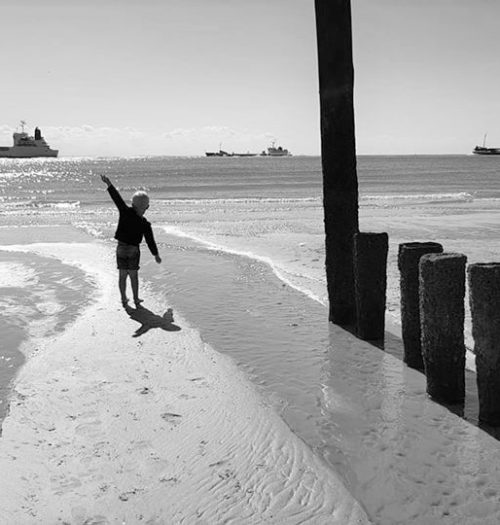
[149,319]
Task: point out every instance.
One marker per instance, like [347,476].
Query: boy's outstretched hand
[105,180]
[158,259]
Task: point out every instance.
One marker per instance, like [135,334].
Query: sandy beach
[115,421]
[129,417]
[248,406]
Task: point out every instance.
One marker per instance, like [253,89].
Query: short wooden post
[409,254]
[370,283]
[484,297]
[442,313]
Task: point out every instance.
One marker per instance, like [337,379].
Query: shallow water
[39,297]
[280,336]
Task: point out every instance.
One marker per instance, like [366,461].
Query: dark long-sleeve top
[131,227]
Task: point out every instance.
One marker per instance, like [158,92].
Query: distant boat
[220,153]
[480,150]
[274,151]
[26,146]
[483,150]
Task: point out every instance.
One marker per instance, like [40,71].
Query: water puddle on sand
[39,296]
[278,335]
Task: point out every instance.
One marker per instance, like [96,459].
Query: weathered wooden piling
[338,154]
[409,254]
[484,298]
[442,313]
[370,284]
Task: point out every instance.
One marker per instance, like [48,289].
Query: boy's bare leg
[122,285]
[134,281]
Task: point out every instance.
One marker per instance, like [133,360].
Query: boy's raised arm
[106,180]
[117,198]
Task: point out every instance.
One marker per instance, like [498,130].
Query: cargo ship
[222,153]
[26,146]
[274,151]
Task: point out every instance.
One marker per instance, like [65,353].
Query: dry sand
[105,427]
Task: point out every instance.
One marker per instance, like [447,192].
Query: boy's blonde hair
[140,199]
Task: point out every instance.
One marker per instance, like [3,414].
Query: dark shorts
[127,256]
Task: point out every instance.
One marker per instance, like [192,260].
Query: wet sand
[110,436]
[130,417]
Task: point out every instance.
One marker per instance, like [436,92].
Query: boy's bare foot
[138,302]
[124,302]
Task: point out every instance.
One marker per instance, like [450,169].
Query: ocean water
[243,250]
[268,208]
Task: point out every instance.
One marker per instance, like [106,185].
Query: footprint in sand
[125,496]
[64,484]
[200,381]
[91,520]
[202,447]
[90,428]
[172,480]
[218,463]
[172,418]
[141,445]
[96,520]
[227,474]
[186,396]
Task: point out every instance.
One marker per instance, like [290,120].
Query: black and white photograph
[250,262]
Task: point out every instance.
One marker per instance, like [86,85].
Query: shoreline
[374,408]
[289,278]
[121,428]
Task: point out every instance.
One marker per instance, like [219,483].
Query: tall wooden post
[338,153]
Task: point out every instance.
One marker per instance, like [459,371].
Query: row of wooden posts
[433,285]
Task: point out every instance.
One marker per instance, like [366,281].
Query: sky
[181,77]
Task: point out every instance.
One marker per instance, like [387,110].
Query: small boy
[132,226]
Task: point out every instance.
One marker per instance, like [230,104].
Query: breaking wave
[285,276]
[419,198]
